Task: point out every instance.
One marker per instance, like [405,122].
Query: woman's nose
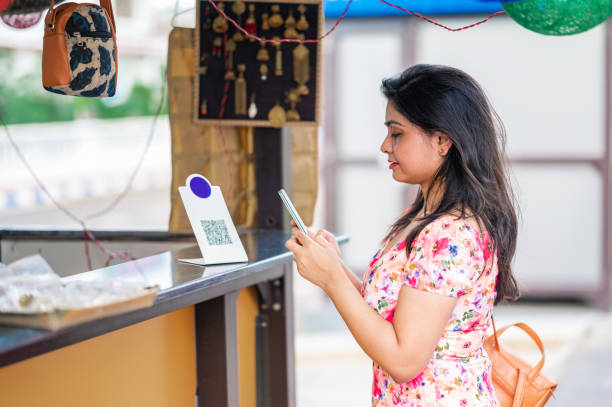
[385,146]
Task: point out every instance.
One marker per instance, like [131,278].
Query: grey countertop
[181,285]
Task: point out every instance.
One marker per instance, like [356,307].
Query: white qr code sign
[211,223]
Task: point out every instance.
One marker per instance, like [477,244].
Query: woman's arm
[403,347]
[352,278]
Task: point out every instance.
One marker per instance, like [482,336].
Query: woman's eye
[395,135]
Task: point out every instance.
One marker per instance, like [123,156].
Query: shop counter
[218,335]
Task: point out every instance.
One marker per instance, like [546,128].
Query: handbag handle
[527,329]
[105,4]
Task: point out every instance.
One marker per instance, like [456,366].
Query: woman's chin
[398,177]
[405,180]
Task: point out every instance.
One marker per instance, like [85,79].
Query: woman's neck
[432,195]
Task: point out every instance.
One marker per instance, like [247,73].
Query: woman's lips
[392,165]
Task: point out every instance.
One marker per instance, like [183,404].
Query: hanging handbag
[516,383]
[80,50]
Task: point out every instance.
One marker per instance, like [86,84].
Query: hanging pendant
[219,24]
[290,20]
[263,70]
[275,19]
[240,92]
[301,67]
[293,115]
[204,108]
[302,23]
[203,67]
[278,66]
[238,8]
[207,21]
[265,24]
[293,97]
[217,46]
[262,54]
[251,24]
[252,107]
[230,47]
[277,116]
[290,31]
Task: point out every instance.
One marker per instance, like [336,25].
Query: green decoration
[558,17]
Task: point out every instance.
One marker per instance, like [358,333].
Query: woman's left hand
[316,259]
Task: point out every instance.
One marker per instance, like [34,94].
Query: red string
[245,32]
[388,3]
[87,256]
[346,9]
[107,263]
[114,255]
[86,233]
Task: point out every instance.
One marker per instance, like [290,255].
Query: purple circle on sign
[200,187]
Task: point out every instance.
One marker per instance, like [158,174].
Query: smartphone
[292,211]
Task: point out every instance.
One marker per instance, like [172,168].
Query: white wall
[549,92]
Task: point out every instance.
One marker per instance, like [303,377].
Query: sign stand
[211,222]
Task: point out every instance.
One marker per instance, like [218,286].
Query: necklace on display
[238,8]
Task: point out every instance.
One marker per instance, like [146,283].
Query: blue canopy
[374,8]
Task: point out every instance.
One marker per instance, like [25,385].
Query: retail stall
[244,115]
[223,333]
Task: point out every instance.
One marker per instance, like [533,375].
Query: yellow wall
[248,308]
[151,363]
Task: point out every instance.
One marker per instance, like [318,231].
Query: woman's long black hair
[472,175]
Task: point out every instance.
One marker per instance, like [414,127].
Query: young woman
[425,303]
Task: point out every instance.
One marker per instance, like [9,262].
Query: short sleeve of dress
[445,259]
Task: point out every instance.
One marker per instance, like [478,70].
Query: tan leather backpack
[516,383]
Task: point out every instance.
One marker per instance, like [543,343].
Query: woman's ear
[442,143]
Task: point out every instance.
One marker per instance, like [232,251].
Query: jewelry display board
[268,84]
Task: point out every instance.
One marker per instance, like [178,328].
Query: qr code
[216,232]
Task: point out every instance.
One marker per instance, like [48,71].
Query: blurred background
[552,93]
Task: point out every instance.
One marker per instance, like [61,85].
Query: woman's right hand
[329,238]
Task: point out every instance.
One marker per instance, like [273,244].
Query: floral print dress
[448,257]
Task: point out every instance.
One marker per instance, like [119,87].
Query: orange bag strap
[494,332]
[105,4]
[520,390]
[529,331]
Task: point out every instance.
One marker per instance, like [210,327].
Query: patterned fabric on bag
[91,50]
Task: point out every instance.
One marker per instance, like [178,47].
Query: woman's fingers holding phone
[321,232]
[310,232]
[322,236]
[330,239]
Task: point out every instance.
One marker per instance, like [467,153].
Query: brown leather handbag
[516,383]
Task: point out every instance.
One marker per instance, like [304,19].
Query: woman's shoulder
[457,230]
[448,256]
[453,224]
